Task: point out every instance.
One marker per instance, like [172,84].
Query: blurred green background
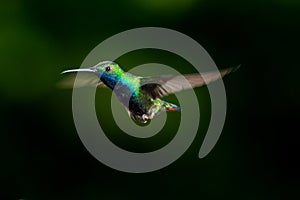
[256,157]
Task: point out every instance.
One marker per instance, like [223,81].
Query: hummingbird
[141,96]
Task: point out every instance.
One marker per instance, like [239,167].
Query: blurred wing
[83,80]
[159,86]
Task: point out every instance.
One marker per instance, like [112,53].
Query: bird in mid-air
[141,96]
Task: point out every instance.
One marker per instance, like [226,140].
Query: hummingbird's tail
[171,107]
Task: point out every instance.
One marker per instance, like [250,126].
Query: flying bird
[141,96]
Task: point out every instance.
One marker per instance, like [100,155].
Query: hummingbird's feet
[144,118]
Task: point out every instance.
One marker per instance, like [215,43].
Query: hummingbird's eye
[107,69]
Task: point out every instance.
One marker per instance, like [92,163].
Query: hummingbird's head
[107,71]
[107,68]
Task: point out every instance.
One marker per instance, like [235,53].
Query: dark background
[256,157]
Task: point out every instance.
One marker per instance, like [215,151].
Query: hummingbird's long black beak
[80,70]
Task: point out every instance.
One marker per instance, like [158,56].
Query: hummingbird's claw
[144,118]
